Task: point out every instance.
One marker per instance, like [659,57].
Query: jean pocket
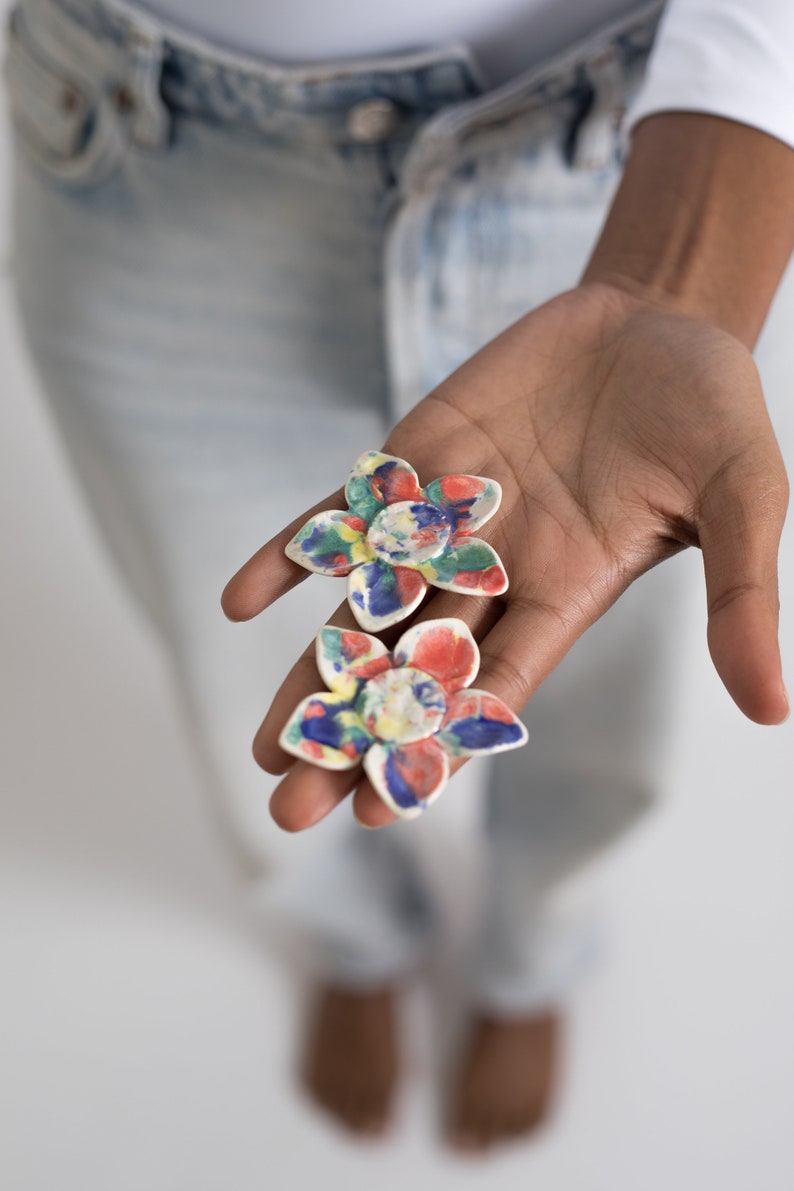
[64,122]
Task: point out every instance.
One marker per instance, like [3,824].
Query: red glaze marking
[393,484]
[409,583]
[492,582]
[459,488]
[445,656]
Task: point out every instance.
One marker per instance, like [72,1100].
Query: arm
[624,420]
[703,220]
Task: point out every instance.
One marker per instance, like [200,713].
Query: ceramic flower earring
[396,538]
[404,713]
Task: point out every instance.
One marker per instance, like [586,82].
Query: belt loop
[595,140]
[149,119]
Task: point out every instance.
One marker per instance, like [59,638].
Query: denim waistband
[371,99]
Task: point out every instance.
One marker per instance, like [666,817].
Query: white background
[146,1036]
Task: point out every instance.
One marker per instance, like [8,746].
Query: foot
[351,1061]
[506,1080]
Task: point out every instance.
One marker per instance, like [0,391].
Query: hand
[621,430]
[624,420]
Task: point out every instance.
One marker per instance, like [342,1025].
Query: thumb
[741,519]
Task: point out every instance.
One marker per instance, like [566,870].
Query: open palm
[620,432]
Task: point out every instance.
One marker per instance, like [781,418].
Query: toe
[466,1130]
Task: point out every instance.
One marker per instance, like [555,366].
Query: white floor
[146,1037]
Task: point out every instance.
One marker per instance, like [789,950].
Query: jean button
[372,120]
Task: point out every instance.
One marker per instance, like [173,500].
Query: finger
[303,680]
[307,794]
[532,638]
[269,574]
[740,525]
[369,808]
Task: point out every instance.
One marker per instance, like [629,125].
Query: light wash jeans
[234,277]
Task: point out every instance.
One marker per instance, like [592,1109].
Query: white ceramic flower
[396,538]
[401,713]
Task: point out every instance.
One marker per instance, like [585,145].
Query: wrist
[703,221]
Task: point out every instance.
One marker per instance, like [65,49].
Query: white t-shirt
[731,58]
[506,36]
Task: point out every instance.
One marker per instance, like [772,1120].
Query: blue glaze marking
[325,729]
[428,516]
[399,789]
[383,595]
[482,734]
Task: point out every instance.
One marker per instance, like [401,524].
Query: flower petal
[331,543]
[478,722]
[468,565]
[407,777]
[444,649]
[326,730]
[472,500]
[377,480]
[380,595]
[346,658]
